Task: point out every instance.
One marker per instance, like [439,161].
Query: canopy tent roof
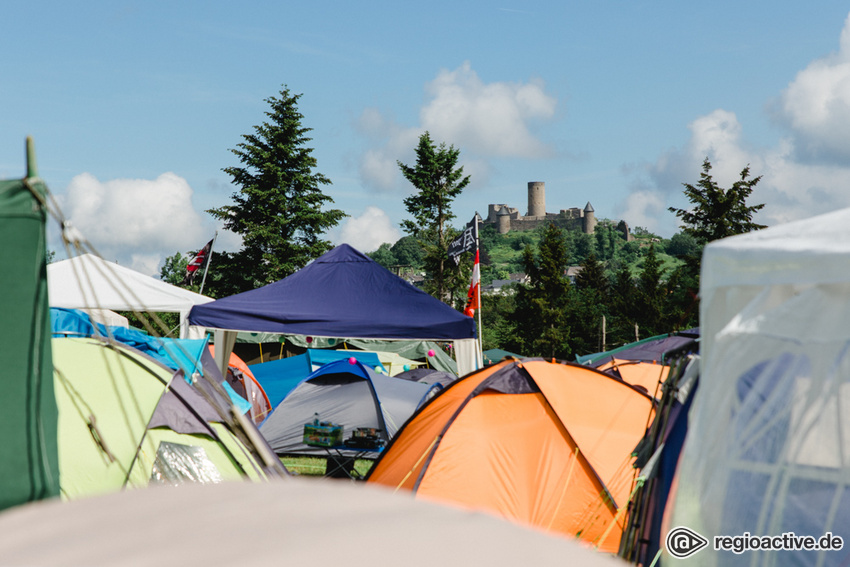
[90,282]
[343,293]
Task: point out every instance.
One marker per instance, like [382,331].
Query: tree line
[281,212]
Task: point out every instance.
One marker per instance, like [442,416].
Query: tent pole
[32,167]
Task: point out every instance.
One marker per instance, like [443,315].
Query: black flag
[466,242]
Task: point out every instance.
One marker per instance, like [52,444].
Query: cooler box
[322,435]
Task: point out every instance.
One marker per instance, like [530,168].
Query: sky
[135,107]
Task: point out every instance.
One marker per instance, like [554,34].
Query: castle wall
[526,223]
[574,219]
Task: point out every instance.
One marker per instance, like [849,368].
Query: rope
[564,490]
[619,514]
[416,464]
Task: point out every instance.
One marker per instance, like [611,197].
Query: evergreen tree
[497,321]
[592,276]
[622,309]
[541,306]
[718,212]
[437,181]
[651,295]
[278,209]
[587,307]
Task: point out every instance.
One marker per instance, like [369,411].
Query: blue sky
[134,106]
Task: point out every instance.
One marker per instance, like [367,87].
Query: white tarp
[768,449]
[89,282]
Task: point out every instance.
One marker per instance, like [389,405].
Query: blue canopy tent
[344,294]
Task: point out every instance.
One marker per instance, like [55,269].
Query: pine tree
[622,308]
[278,209]
[592,276]
[541,306]
[438,181]
[718,212]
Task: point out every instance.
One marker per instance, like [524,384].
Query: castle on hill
[507,218]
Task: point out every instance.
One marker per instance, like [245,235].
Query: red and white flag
[472,302]
[197,263]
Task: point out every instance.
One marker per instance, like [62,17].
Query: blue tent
[279,377]
[343,293]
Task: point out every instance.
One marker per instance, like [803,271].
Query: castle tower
[589,221]
[503,221]
[536,199]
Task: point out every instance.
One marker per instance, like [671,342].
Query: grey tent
[348,394]
[427,376]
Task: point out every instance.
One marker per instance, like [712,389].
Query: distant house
[572,272]
[500,286]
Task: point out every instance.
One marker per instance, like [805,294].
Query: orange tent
[641,373]
[543,444]
[241,377]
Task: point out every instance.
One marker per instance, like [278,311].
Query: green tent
[128,421]
[28,458]
[494,355]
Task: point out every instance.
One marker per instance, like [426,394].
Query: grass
[317,466]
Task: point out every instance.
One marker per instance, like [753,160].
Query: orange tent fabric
[647,375]
[254,392]
[544,444]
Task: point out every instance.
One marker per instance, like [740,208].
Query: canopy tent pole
[224,342]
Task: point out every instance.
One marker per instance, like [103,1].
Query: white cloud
[487,119]
[137,222]
[484,120]
[789,188]
[803,174]
[643,208]
[816,104]
[368,231]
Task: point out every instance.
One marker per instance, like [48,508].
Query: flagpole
[480,328]
[207,267]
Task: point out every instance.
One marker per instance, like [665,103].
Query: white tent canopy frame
[89,282]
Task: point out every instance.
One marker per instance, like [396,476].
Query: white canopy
[89,282]
[768,449]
